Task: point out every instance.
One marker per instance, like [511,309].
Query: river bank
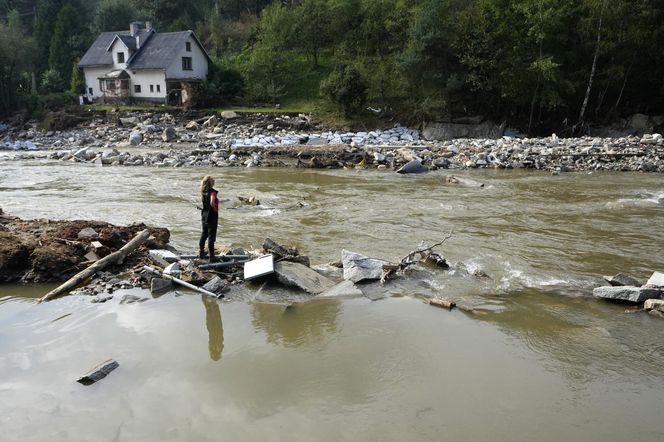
[260,140]
[534,351]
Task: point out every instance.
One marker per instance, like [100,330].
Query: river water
[529,356]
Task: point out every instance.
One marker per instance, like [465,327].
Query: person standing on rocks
[209,217]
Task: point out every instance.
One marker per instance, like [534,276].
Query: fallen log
[442,303]
[114,258]
[181,282]
[99,372]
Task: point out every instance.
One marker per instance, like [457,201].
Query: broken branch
[114,258]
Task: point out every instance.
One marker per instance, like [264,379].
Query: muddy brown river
[531,356]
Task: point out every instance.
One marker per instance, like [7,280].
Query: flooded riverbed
[533,357]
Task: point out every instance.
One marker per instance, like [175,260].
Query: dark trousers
[209,234]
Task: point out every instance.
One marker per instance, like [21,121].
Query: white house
[144,65]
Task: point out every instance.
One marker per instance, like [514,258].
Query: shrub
[346,87]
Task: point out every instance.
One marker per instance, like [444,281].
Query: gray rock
[448,131]
[627,293]
[82,153]
[229,115]
[169,134]
[135,138]
[216,285]
[654,304]
[622,279]
[342,290]
[656,280]
[88,232]
[132,299]
[358,267]
[298,275]
[159,286]
[414,166]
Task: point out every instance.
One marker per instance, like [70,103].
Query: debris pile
[251,140]
[52,251]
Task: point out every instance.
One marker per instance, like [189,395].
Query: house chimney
[133,28]
[148,26]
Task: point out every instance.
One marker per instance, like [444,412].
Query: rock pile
[261,140]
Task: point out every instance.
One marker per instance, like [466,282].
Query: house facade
[142,65]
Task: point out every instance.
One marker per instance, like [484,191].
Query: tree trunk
[594,66]
[622,89]
[114,258]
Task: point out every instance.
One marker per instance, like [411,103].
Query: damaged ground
[230,139]
[41,250]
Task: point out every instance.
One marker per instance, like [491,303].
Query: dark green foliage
[52,82]
[70,40]
[346,87]
[15,57]
[530,62]
[115,15]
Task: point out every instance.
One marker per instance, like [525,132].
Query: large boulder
[656,280]
[135,138]
[169,134]
[414,166]
[626,293]
[358,267]
[301,276]
[622,279]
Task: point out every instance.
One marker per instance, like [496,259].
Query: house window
[90,91]
[137,88]
[120,57]
[188,46]
[152,88]
[186,64]
[158,88]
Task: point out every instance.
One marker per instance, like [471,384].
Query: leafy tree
[115,15]
[346,87]
[312,27]
[77,84]
[53,82]
[15,58]
[70,40]
[47,14]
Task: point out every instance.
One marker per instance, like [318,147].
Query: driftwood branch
[114,258]
[425,253]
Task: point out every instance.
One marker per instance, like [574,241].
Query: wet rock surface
[264,140]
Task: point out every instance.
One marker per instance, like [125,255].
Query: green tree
[47,14]
[346,87]
[312,27]
[70,40]
[77,84]
[115,15]
[15,58]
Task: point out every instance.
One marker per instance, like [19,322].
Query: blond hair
[206,183]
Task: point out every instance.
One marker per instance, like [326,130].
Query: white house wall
[145,78]
[92,80]
[199,63]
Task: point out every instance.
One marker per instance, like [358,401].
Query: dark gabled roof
[155,52]
[97,54]
[160,51]
[129,41]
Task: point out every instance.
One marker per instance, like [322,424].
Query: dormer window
[188,46]
[120,57]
